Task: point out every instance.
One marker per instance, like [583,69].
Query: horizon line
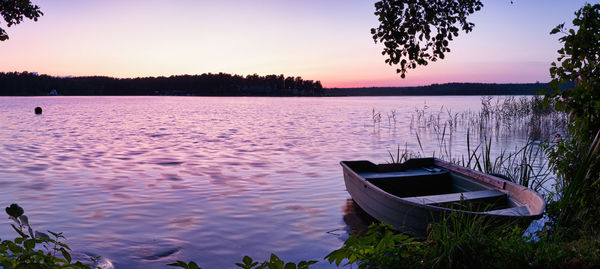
[263,75]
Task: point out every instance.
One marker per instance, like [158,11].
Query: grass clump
[462,241]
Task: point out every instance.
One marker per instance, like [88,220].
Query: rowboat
[413,194]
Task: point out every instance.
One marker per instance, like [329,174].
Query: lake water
[145,181]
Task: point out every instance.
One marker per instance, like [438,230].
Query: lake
[145,181]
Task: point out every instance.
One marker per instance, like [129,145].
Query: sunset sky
[326,40]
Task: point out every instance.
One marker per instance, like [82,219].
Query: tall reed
[523,117]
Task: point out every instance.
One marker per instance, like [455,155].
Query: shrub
[27,250]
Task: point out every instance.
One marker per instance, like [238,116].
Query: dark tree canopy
[15,11]
[220,84]
[416,32]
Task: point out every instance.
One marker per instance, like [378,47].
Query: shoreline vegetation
[221,84]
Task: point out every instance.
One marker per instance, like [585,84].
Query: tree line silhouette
[221,84]
[450,89]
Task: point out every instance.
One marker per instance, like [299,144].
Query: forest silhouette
[221,84]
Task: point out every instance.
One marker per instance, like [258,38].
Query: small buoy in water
[38,110]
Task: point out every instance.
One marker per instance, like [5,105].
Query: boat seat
[409,173]
[412,182]
[513,211]
[471,196]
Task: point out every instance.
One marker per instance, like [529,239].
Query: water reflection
[356,219]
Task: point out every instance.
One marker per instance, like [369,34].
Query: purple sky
[323,40]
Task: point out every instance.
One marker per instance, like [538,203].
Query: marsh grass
[525,165]
[462,240]
[402,155]
[574,208]
[526,119]
[376,117]
[457,240]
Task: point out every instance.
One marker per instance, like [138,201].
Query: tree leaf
[29,244]
[66,254]
[290,265]
[14,210]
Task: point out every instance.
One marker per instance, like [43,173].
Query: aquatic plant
[525,165]
[376,117]
[392,118]
[524,116]
[402,155]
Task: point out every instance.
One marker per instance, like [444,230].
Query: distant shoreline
[32,84]
[446,89]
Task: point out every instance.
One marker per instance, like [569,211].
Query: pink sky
[326,40]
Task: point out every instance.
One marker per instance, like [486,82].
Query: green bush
[27,250]
[576,159]
[465,242]
[380,247]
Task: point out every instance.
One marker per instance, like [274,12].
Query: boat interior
[437,186]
